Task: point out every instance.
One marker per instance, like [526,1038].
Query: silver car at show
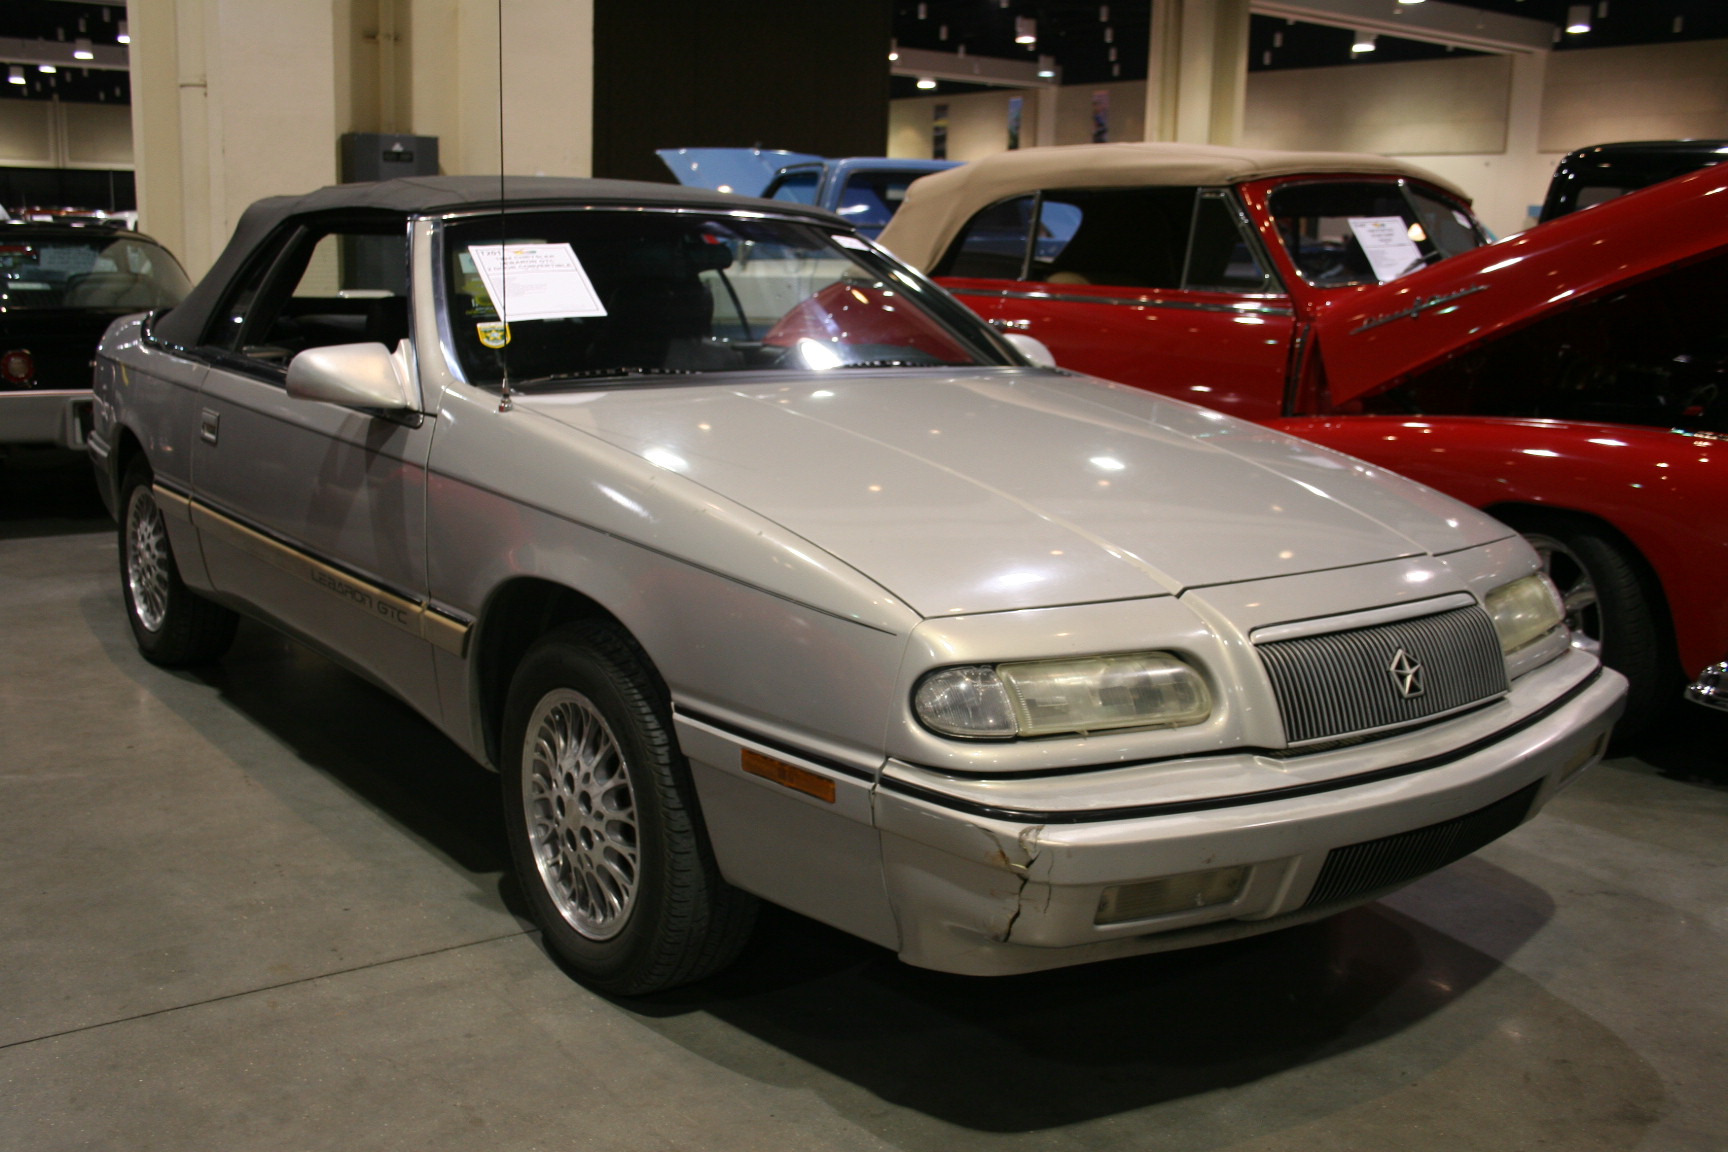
[759,568]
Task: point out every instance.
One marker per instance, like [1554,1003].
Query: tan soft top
[939,205]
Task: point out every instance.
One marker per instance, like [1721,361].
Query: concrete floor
[265,907]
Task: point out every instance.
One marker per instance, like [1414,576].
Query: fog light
[1170,894]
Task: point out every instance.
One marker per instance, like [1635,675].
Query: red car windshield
[1343,232]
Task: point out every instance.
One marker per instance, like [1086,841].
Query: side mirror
[1028,346]
[353,375]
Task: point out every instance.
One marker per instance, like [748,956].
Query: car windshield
[98,271]
[598,294]
[1343,232]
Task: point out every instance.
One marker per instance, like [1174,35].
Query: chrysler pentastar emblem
[1406,673]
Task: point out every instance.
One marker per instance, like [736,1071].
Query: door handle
[1002,325]
[207,424]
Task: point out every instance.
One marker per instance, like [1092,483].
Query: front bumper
[48,417]
[1002,876]
[1711,687]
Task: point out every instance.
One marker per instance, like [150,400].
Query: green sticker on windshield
[493,334]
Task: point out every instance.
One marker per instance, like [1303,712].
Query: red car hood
[1373,337]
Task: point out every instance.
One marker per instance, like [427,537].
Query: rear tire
[173,625]
[603,824]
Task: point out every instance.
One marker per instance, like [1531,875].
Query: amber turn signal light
[798,779]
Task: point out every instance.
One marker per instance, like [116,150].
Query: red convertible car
[1570,380]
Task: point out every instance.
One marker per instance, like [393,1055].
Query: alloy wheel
[147,559]
[581,814]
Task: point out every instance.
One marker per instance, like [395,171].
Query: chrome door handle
[207,423]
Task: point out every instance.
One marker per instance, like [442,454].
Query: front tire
[173,625]
[1613,609]
[604,830]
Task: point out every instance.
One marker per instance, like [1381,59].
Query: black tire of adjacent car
[173,625]
[1626,618]
[609,847]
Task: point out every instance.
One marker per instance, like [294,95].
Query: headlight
[1042,697]
[1525,610]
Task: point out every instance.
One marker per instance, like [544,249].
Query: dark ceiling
[1080,33]
[62,21]
[1092,42]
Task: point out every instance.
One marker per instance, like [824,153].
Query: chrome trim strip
[1243,309]
[1420,305]
[408,615]
[517,207]
[1365,619]
[172,503]
[444,632]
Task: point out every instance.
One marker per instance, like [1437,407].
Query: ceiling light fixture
[1407,2]
[1578,19]
[47,68]
[1025,30]
[124,36]
[1364,42]
[81,50]
[926,82]
[15,75]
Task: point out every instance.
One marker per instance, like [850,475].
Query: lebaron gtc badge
[1406,673]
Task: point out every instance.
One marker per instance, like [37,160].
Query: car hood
[996,489]
[746,171]
[1372,337]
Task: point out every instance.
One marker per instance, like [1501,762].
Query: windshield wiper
[598,374]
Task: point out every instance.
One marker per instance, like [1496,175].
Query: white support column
[1197,71]
[234,100]
[548,84]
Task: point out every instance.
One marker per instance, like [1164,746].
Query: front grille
[1341,683]
[1393,860]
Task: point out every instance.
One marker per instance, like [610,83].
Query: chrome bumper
[1711,687]
[50,417]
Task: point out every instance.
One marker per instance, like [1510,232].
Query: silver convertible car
[759,568]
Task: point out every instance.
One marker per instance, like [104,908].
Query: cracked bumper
[996,886]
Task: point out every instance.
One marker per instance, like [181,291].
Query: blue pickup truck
[863,190]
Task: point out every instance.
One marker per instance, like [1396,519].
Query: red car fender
[1666,492]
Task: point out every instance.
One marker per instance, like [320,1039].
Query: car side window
[341,284]
[1126,237]
[796,187]
[870,199]
[993,244]
[1221,257]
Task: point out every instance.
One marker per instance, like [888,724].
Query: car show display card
[1386,242]
[536,281]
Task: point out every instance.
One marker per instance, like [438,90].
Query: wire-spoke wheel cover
[1577,589]
[147,559]
[581,814]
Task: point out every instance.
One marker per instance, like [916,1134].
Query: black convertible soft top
[431,195]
